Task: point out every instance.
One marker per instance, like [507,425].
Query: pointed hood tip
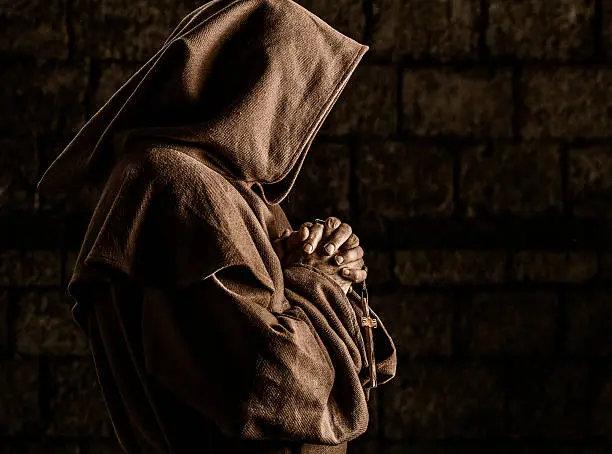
[215,86]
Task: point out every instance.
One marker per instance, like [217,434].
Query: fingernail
[339,259]
[308,248]
[346,271]
[330,249]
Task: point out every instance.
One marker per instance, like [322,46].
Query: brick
[606,265]
[602,411]
[443,30]
[44,325]
[19,410]
[566,103]
[41,267]
[559,29]
[465,103]
[554,266]
[18,177]
[590,185]
[113,76]
[449,267]
[421,323]
[547,401]
[442,401]
[42,98]
[520,179]
[125,29]
[606,8]
[345,16]
[379,266]
[421,185]
[362,445]
[76,404]
[105,446]
[10,267]
[508,324]
[4,327]
[46,447]
[426,447]
[588,330]
[325,172]
[34,27]
[367,106]
[30,268]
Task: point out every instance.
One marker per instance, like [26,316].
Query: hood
[243,84]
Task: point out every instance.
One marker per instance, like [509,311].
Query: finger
[316,231]
[350,243]
[305,230]
[285,234]
[340,235]
[354,275]
[296,239]
[331,224]
[349,256]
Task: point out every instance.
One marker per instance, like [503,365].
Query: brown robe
[202,341]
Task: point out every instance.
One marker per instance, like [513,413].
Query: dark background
[470,152]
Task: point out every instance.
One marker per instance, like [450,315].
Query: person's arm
[258,364]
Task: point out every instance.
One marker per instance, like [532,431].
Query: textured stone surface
[602,418]
[105,446]
[112,77]
[27,268]
[367,105]
[465,103]
[607,27]
[398,179]
[76,403]
[4,322]
[19,395]
[125,29]
[379,266]
[421,323]
[41,98]
[590,185]
[322,187]
[508,324]
[511,179]
[44,325]
[18,174]
[345,16]
[547,400]
[554,266]
[34,27]
[435,267]
[441,401]
[560,29]
[46,447]
[566,103]
[442,29]
[588,329]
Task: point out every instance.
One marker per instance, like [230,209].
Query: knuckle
[333,222]
[345,228]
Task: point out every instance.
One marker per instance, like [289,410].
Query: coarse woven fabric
[202,341]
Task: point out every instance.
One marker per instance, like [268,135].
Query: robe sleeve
[257,374]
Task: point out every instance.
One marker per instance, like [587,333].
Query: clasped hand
[332,248]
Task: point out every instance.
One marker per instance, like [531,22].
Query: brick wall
[471,152]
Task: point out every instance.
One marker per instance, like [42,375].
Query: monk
[214,325]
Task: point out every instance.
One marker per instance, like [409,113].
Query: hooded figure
[202,341]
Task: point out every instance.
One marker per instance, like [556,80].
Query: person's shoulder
[182,179]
